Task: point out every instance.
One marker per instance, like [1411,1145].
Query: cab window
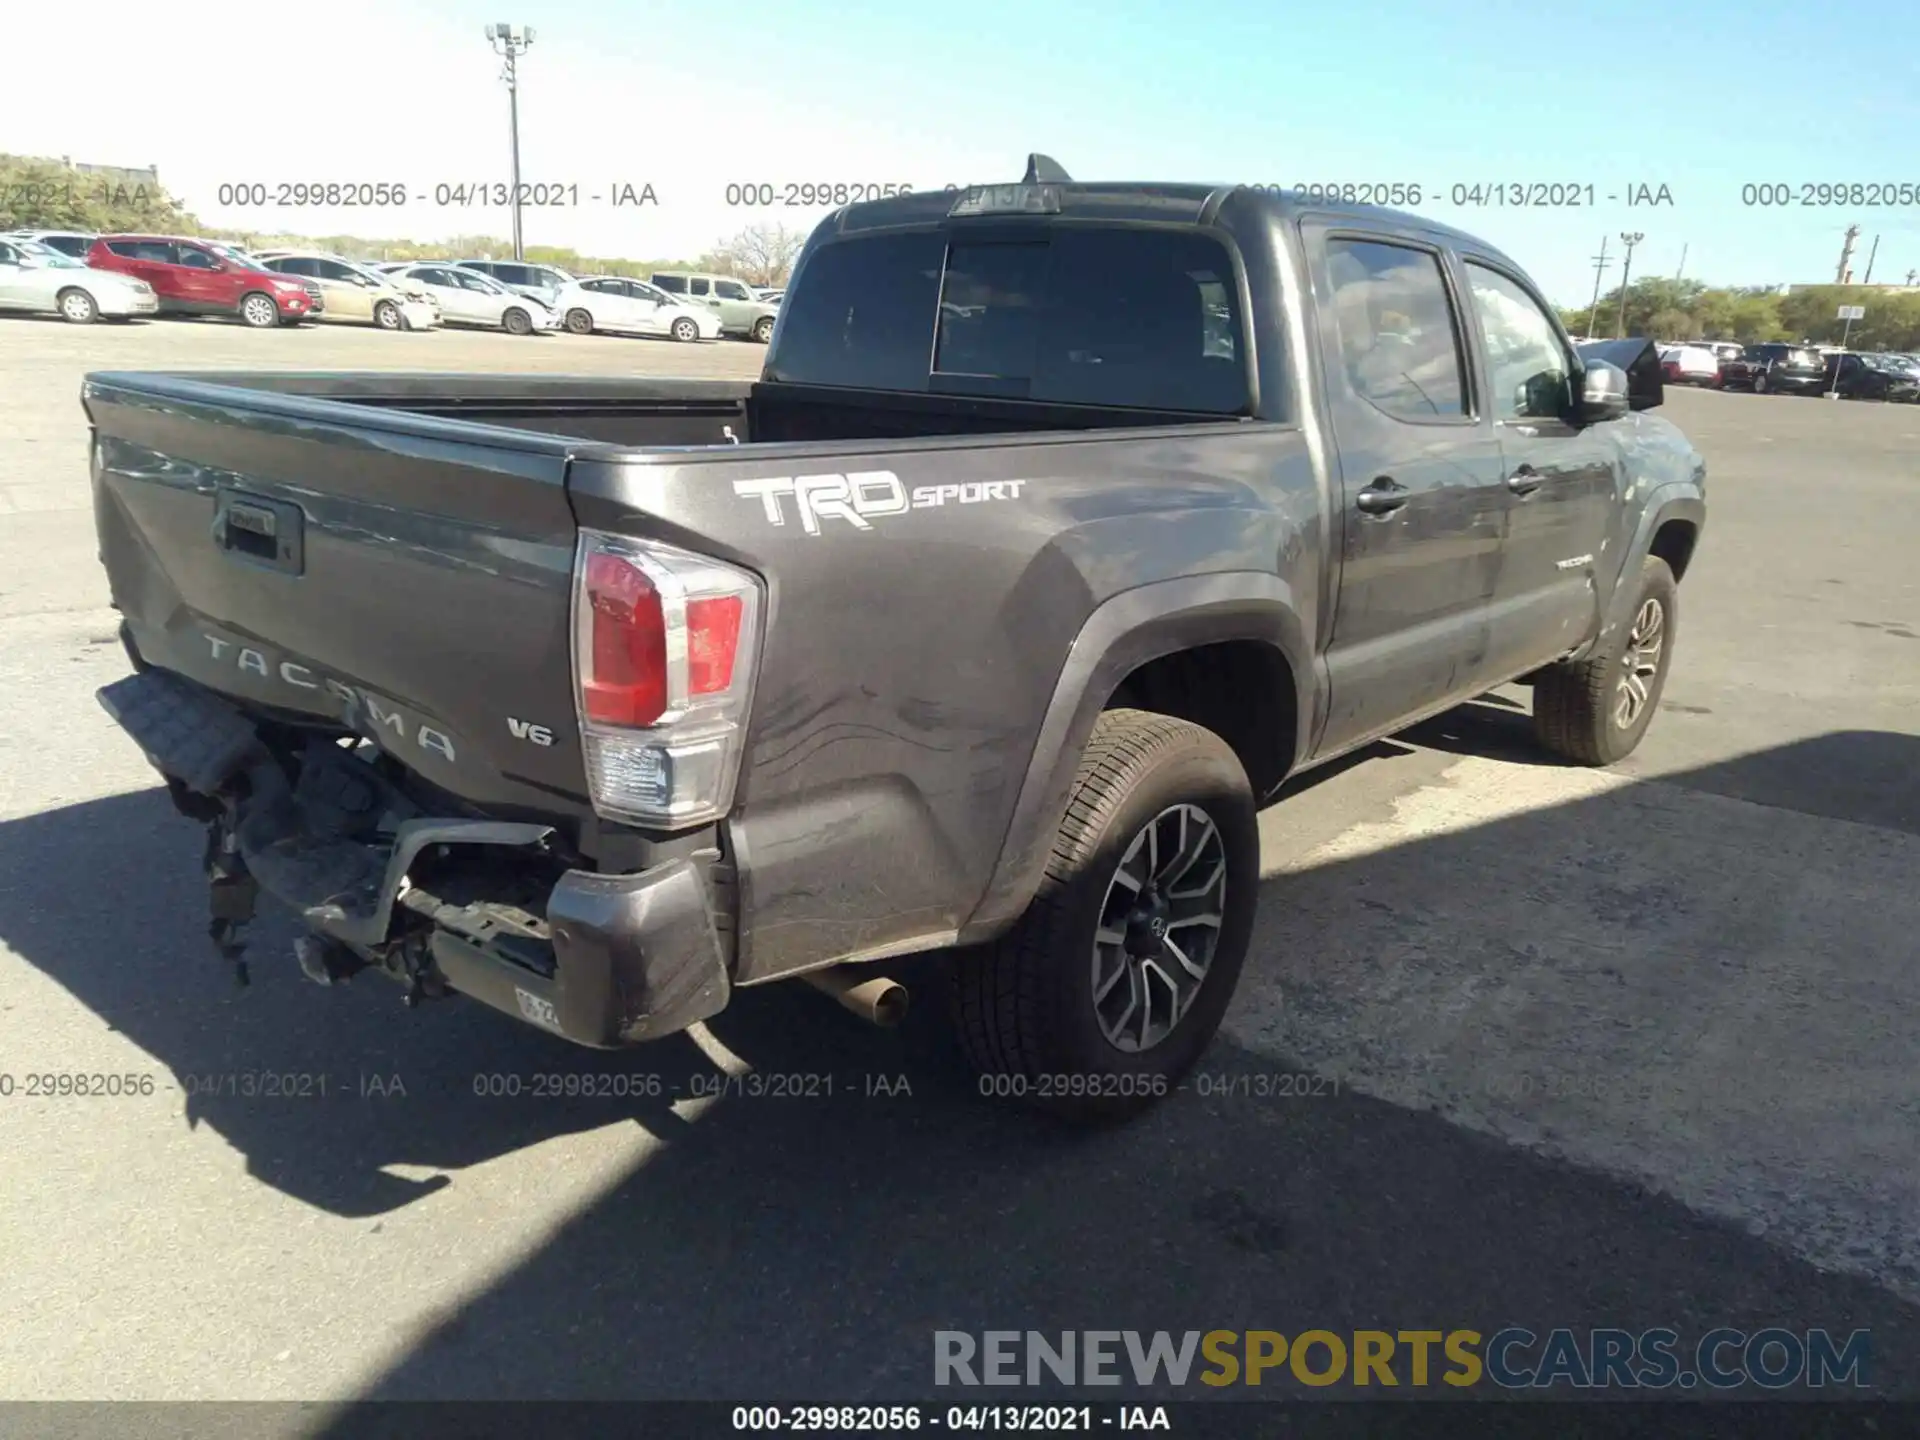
[1529,372]
[1398,336]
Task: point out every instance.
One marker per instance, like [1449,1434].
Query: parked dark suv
[203,277]
[1874,377]
[1774,365]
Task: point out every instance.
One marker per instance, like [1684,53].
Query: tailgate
[407,576]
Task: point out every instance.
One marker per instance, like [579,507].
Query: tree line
[40,194]
[1663,309]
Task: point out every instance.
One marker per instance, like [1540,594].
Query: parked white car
[466,297]
[624,306]
[544,283]
[38,278]
[1690,364]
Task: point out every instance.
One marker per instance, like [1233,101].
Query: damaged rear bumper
[602,960]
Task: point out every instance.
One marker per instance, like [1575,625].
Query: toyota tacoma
[1065,523]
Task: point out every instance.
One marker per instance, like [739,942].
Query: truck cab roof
[1147,203]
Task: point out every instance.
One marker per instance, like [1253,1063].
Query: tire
[685,331]
[1027,1005]
[77,307]
[258,311]
[1596,711]
[387,316]
[763,329]
[517,322]
[579,322]
[1759,382]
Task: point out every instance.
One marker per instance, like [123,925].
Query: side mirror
[1639,359]
[1604,393]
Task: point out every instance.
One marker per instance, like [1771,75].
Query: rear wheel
[517,322]
[386,315]
[1595,711]
[763,329]
[1105,993]
[1760,382]
[258,310]
[77,306]
[579,322]
[685,331]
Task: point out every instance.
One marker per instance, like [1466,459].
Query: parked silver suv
[742,312]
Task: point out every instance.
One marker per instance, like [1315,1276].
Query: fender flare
[1677,500]
[1124,632]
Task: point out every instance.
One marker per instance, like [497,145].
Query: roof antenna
[1045,170]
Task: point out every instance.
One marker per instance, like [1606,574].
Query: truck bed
[419,593]
[650,413]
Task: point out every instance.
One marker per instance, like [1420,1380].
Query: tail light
[664,643]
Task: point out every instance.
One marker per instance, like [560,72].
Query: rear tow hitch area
[231,895]
[326,962]
[301,816]
[503,912]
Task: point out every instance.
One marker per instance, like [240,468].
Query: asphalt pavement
[1517,1044]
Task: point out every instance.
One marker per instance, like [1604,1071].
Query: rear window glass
[1087,316]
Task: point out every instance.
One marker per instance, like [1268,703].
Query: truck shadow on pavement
[806,1245]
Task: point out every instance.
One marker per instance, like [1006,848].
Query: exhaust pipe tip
[876,999]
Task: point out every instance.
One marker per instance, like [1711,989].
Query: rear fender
[1124,633]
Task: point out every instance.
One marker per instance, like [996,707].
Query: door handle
[1524,481]
[1384,496]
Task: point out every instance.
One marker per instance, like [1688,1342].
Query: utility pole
[1628,238]
[1846,254]
[510,42]
[1680,269]
[1600,263]
[1867,279]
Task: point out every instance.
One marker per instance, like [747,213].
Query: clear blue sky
[1701,96]
[1610,93]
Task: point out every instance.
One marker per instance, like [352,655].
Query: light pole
[1599,269]
[1628,238]
[510,42]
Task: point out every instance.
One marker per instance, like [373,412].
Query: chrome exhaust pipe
[877,1000]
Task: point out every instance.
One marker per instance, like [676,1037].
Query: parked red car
[203,277]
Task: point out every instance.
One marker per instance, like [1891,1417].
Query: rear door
[1563,480]
[153,262]
[1425,508]
[615,308]
[200,285]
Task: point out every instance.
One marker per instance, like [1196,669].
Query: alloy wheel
[1640,664]
[1159,924]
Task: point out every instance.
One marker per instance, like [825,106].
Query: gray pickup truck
[1066,522]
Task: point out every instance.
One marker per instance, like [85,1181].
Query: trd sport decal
[861,495]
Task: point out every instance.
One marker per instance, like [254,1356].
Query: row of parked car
[1794,369]
[122,277]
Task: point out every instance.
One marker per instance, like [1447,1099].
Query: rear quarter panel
[908,666]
